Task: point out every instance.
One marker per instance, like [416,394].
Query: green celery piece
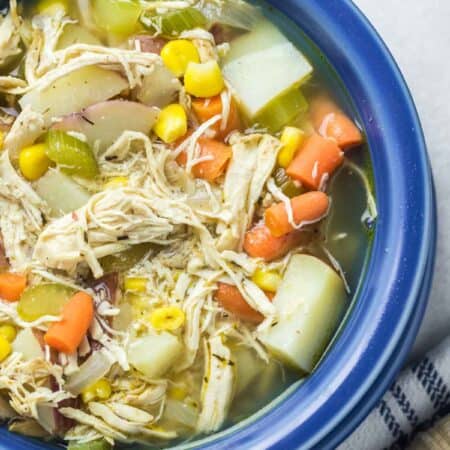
[73,156]
[46,299]
[123,261]
[282,110]
[117,16]
[99,444]
[175,22]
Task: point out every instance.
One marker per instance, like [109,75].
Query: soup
[185,215]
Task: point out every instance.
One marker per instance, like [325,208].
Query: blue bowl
[384,321]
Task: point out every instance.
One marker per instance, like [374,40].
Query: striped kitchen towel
[415,402]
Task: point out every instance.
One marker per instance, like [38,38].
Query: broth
[342,240]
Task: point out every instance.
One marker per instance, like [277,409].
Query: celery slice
[99,444]
[282,110]
[121,262]
[175,22]
[73,156]
[43,300]
[117,16]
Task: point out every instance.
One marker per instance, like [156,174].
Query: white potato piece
[76,34]
[159,88]
[75,91]
[262,65]
[310,303]
[104,123]
[154,355]
[27,344]
[62,194]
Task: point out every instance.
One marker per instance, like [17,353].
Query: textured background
[418,34]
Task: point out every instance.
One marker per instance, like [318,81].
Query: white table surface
[418,34]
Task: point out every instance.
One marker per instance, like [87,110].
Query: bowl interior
[391,295]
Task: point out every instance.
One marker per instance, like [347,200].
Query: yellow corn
[5,348]
[99,390]
[267,280]
[52,6]
[171,124]
[116,182]
[177,54]
[291,140]
[33,161]
[8,332]
[2,139]
[135,284]
[204,80]
[168,318]
[177,393]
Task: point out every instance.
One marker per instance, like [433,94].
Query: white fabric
[419,397]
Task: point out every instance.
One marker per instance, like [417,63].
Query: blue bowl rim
[379,333]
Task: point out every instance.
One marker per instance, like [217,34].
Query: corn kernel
[8,332]
[116,182]
[52,6]
[2,139]
[135,284]
[33,161]
[291,139]
[171,124]
[5,348]
[177,54]
[267,280]
[177,393]
[204,80]
[99,390]
[168,318]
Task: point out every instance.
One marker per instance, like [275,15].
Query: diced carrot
[232,300]
[206,109]
[306,208]
[219,155]
[260,243]
[11,286]
[66,335]
[330,122]
[318,158]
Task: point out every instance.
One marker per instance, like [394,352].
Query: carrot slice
[232,300]
[206,109]
[316,160]
[218,155]
[330,122]
[259,242]
[11,286]
[307,208]
[66,335]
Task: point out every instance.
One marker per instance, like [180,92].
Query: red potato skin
[4,263]
[150,44]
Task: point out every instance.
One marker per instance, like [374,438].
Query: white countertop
[418,34]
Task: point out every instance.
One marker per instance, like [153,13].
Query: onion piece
[181,412]
[94,368]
